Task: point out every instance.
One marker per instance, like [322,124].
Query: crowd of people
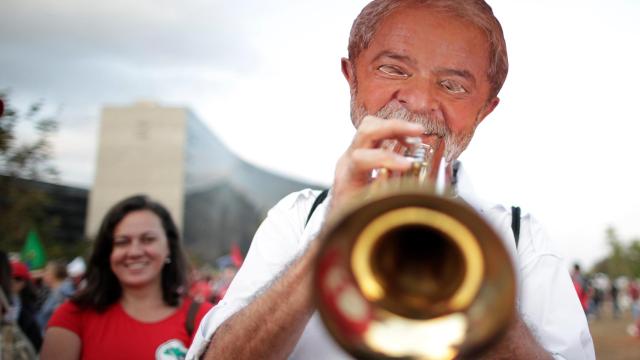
[211,286]
[33,296]
[137,283]
[599,295]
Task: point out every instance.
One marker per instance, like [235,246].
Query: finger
[373,130]
[365,160]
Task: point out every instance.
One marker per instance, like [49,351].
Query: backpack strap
[515,223]
[190,323]
[318,201]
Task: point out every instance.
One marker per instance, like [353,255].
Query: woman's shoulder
[71,308]
[69,316]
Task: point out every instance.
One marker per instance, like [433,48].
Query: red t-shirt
[114,334]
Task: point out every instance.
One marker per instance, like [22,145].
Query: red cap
[20,270]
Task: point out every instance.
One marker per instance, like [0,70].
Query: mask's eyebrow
[465,74]
[395,56]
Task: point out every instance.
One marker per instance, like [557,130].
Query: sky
[265,76]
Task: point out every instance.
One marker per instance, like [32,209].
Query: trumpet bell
[405,273]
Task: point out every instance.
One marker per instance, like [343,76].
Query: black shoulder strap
[190,323]
[318,201]
[515,223]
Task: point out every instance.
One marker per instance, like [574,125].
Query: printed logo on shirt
[171,350]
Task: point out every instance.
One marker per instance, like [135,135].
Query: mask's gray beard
[434,124]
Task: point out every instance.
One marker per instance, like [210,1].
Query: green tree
[622,260]
[634,257]
[24,158]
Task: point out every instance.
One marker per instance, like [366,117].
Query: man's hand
[354,167]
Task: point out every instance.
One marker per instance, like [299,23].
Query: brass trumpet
[408,271]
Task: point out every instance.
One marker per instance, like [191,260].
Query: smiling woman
[140,250]
[133,303]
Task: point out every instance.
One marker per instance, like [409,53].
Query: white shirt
[547,300]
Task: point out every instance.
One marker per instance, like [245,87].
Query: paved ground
[611,339]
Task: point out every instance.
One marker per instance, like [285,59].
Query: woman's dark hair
[102,286]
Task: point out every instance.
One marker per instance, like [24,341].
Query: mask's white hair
[477,12]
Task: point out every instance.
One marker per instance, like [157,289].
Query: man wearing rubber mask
[429,69]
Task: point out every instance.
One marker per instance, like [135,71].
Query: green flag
[33,253]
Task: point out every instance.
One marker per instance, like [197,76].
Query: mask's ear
[487,109]
[348,71]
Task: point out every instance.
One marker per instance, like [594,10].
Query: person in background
[633,290]
[5,285]
[615,305]
[221,285]
[60,288]
[24,299]
[579,284]
[201,287]
[76,270]
[42,291]
[14,344]
[596,297]
[133,305]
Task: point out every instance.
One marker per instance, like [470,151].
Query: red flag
[236,255]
